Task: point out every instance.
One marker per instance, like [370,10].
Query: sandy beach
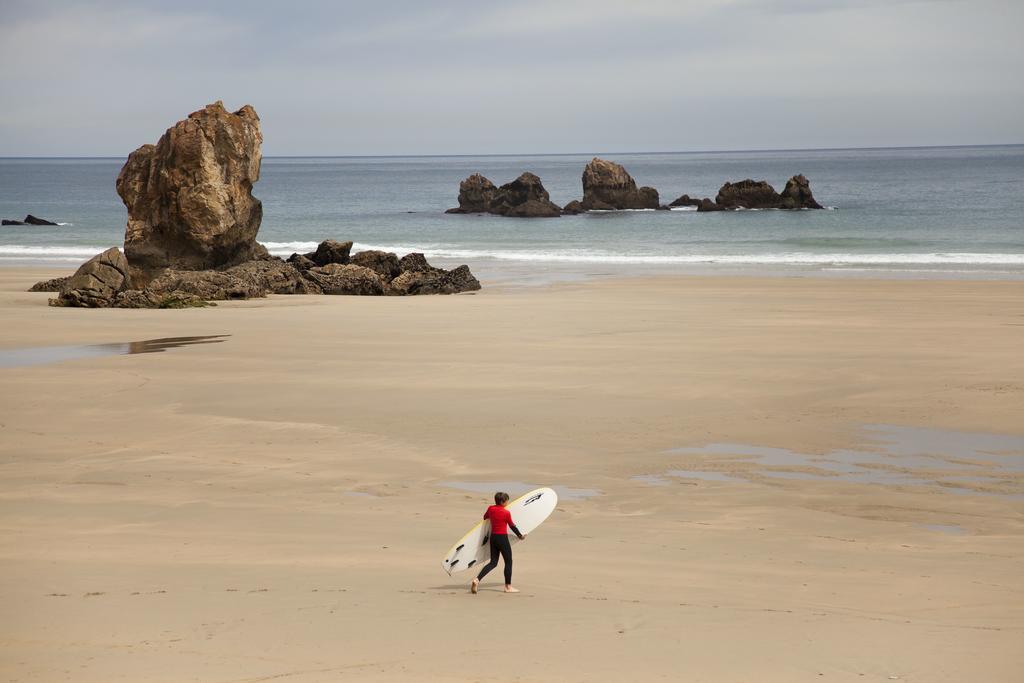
[276,505]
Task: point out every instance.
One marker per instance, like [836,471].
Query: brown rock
[54,285]
[189,197]
[707,205]
[748,194]
[96,282]
[415,262]
[331,251]
[301,262]
[435,281]
[475,195]
[384,263]
[607,185]
[273,277]
[138,298]
[335,278]
[797,194]
[685,200]
[209,285]
[524,197]
[572,208]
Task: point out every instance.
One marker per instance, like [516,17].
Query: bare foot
[510,589]
[473,587]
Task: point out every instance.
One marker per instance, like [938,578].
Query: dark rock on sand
[144,298]
[434,281]
[384,263]
[331,251]
[335,278]
[274,276]
[685,200]
[797,194]
[54,285]
[96,282]
[209,285]
[189,197]
[301,262]
[607,185]
[524,197]
[414,262]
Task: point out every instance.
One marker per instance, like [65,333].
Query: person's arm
[515,529]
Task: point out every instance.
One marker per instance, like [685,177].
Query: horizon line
[570,154]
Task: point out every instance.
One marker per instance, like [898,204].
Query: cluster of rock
[28,220]
[524,197]
[607,186]
[756,194]
[192,225]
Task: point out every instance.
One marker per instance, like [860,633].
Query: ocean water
[919,212]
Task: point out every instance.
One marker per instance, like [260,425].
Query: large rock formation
[524,197]
[607,186]
[748,194]
[752,194]
[96,282]
[797,194]
[189,197]
[384,263]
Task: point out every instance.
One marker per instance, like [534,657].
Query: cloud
[469,77]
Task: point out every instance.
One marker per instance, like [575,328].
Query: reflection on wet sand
[44,355]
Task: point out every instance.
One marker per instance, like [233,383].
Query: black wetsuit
[500,545]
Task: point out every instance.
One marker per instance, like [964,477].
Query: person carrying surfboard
[501,522]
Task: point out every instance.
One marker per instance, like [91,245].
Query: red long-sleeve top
[501,521]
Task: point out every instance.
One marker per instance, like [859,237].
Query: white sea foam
[439,251]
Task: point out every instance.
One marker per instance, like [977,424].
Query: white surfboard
[474,550]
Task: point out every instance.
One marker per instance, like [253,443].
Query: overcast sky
[520,76]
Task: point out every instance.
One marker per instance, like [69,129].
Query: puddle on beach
[906,456]
[44,355]
[517,488]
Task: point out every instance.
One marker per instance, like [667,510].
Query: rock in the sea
[384,263]
[475,195]
[572,208]
[96,282]
[32,220]
[189,197]
[607,186]
[28,220]
[685,200]
[335,278]
[54,285]
[331,251]
[797,194]
[524,197]
[706,204]
[748,194]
